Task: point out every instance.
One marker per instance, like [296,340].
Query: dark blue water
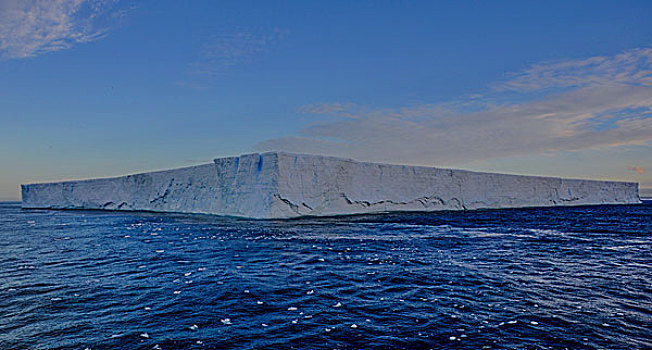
[558,278]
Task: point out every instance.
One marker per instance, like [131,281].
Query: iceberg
[277,185]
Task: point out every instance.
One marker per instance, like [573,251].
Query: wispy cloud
[629,67]
[30,28]
[637,169]
[583,104]
[220,53]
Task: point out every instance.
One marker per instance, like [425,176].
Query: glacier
[276,185]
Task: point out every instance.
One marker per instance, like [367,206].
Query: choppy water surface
[576,278]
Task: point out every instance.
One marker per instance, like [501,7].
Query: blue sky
[102,88]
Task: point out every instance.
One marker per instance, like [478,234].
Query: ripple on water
[529,278]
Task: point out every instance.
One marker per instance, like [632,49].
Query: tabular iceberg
[283,185]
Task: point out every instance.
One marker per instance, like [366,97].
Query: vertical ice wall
[317,185]
[239,186]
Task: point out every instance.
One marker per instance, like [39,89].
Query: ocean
[537,278]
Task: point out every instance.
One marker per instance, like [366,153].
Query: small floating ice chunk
[200,342]
[246,291]
[159,251]
[292,308]
[259,302]
[606,325]
[264,324]
[201,269]
[328,329]
[512,322]
[177,292]
[338,304]
[144,335]
[187,274]
[295,321]
[534,323]
[147,308]
[452,338]
[194,327]
[226,321]
[354,326]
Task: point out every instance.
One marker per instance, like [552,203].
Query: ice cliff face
[282,185]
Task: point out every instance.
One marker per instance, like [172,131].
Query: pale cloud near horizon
[637,169]
[597,102]
[30,28]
